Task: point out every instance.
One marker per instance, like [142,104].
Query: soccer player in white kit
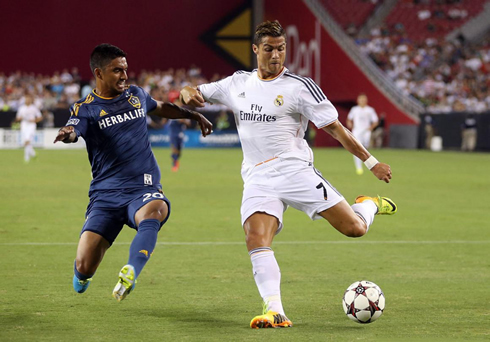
[362,119]
[272,107]
[28,115]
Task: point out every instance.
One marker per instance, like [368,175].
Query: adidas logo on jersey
[241,95]
[102,113]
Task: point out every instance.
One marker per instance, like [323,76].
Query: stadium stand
[410,48]
[350,14]
[421,19]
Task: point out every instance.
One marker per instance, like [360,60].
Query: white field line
[232,243]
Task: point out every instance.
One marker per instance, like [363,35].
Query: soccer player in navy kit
[176,132]
[125,188]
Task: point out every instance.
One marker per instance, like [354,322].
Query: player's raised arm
[350,143]
[66,134]
[171,111]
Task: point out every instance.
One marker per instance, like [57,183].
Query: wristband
[370,162]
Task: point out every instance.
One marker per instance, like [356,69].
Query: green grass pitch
[431,259]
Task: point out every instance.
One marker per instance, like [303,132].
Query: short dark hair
[270,29]
[103,54]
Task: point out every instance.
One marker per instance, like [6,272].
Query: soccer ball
[363,302]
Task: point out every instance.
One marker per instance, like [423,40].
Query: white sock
[267,276]
[358,163]
[26,153]
[366,211]
[32,153]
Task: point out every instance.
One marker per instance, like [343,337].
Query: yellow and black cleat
[385,205]
[270,319]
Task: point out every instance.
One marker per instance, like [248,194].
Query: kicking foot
[385,205]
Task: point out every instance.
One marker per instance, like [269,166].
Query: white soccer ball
[363,302]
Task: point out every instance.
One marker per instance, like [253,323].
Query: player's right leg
[98,233]
[91,250]
[260,229]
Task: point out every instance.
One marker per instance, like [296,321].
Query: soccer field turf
[430,259]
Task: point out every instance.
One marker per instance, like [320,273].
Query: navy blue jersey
[116,135]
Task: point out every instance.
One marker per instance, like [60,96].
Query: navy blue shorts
[109,211]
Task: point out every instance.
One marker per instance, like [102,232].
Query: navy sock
[175,157]
[79,275]
[143,244]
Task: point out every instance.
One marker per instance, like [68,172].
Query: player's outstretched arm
[171,111]
[66,134]
[350,143]
[192,97]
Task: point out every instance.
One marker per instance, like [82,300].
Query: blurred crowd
[62,89]
[444,76]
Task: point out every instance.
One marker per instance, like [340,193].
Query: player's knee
[256,239]
[158,212]
[355,229]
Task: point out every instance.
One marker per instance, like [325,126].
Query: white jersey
[28,115]
[362,118]
[272,115]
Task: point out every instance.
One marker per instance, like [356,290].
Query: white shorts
[273,186]
[364,137]
[27,134]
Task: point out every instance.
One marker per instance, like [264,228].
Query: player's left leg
[349,222]
[148,219]
[355,220]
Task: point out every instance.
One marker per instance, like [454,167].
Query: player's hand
[64,133]
[192,97]
[205,124]
[382,172]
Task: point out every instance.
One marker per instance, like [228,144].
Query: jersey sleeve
[20,113]
[374,116]
[217,92]
[151,103]
[315,106]
[78,119]
[350,116]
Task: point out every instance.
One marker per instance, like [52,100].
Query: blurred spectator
[222,122]
[377,136]
[48,118]
[469,134]
[429,130]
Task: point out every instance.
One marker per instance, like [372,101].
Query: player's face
[28,100]
[271,54]
[113,77]
[362,100]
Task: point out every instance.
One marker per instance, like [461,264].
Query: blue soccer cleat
[81,286]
